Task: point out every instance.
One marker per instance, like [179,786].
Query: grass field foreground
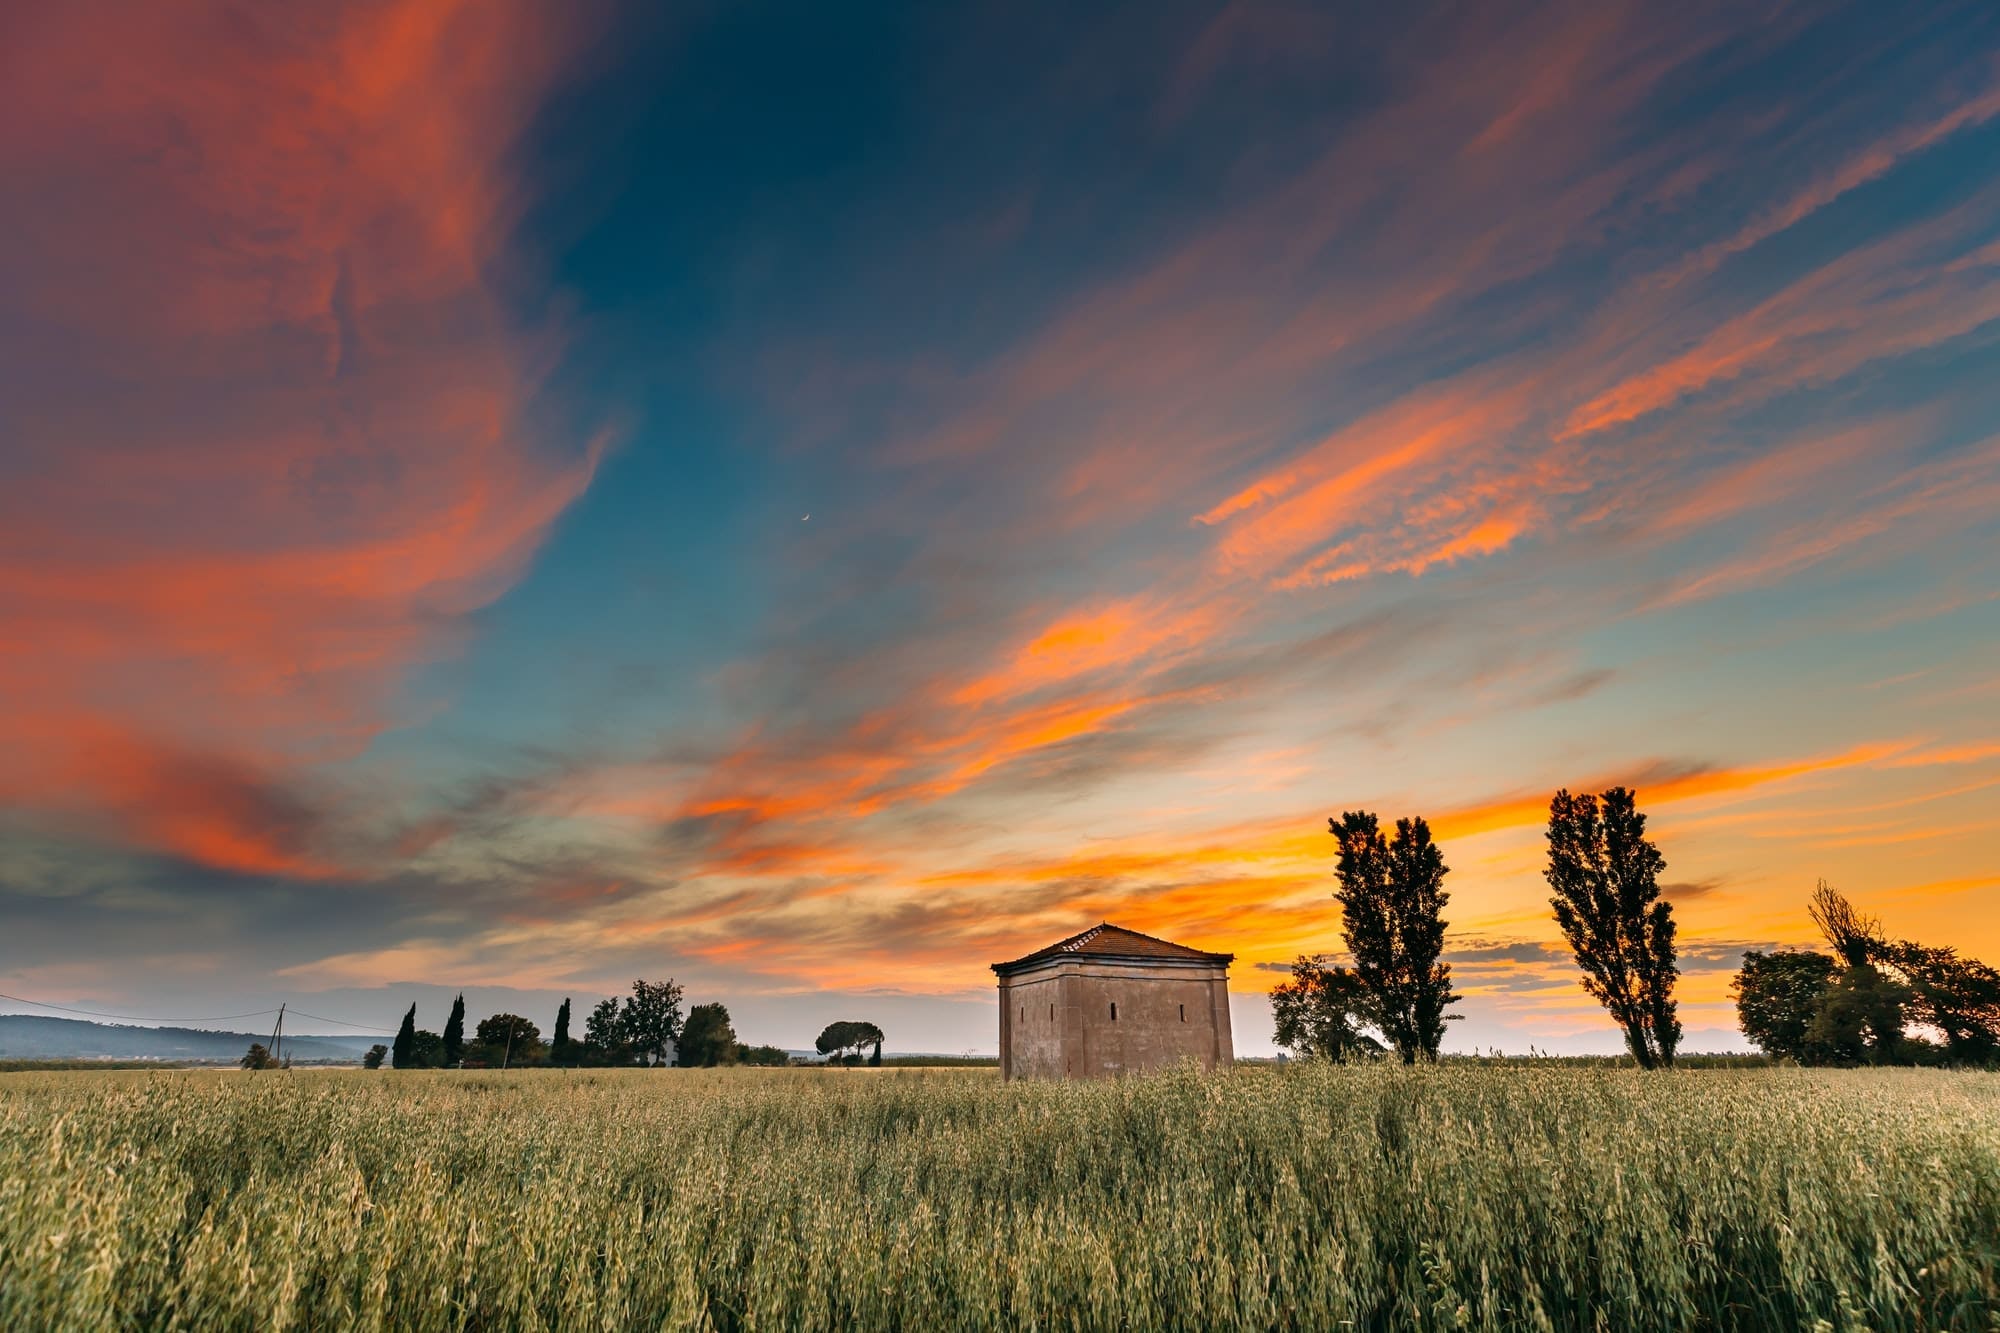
[1537,1196]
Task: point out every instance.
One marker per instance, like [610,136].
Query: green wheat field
[1536,1195]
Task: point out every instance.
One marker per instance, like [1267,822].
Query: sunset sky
[814,500]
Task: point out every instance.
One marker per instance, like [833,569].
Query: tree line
[646,1028]
[1857,1005]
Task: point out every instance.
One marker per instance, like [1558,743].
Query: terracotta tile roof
[1108,941]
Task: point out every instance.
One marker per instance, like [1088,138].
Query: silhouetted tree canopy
[645,1028]
[842,1041]
[1606,877]
[1322,1011]
[769,1056]
[1858,1006]
[426,1050]
[376,1055]
[258,1057]
[1778,995]
[507,1040]
[1860,1018]
[650,1020]
[1391,899]
[1959,998]
[604,1035]
[502,1028]
[1855,938]
[707,1038]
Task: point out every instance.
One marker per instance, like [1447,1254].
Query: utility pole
[278,1036]
[507,1054]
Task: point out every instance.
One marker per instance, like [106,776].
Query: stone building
[1112,1001]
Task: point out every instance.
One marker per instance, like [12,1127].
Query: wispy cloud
[1583,397]
[269,435]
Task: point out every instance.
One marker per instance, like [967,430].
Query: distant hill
[31,1037]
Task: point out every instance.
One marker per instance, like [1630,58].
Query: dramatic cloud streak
[269,423]
[1414,412]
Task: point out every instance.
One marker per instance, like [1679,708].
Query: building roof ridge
[1111,941]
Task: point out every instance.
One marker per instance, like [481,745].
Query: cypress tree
[559,1047]
[454,1033]
[399,1054]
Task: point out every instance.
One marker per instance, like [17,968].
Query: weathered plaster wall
[1031,1028]
[1057,1021]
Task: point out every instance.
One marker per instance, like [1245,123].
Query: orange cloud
[1974,752]
[208,808]
[283,442]
[1332,486]
[1134,634]
[1654,787]
[1888,298]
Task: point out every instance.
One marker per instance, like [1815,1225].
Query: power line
[139,1018]
[322,1018]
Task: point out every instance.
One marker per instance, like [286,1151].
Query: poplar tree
[454,1033]
[1391,899]
[1606,877]
[399,1057]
